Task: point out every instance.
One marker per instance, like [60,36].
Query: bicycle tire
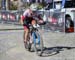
[38,50]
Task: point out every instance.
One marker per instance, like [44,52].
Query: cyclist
[27,19]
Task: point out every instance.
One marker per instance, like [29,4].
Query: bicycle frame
[34,37]
[37,41]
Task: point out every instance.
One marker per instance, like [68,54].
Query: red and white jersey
[27,13]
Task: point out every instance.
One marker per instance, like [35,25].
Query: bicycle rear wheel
[38,43]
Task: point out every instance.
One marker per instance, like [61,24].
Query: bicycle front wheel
[38,42]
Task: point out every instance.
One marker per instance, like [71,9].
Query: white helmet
[33,7]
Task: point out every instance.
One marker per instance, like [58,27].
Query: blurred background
[47,4]
[51,11]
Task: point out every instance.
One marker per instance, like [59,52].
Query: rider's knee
[33,22]
[27,30]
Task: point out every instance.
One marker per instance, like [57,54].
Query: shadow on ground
[50,51]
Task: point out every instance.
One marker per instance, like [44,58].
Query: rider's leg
[26,31]
[34,23]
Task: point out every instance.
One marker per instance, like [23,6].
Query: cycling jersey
[27,18]
[27,13]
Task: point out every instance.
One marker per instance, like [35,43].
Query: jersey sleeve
[25,13]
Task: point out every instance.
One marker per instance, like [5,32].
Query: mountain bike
[37,41]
